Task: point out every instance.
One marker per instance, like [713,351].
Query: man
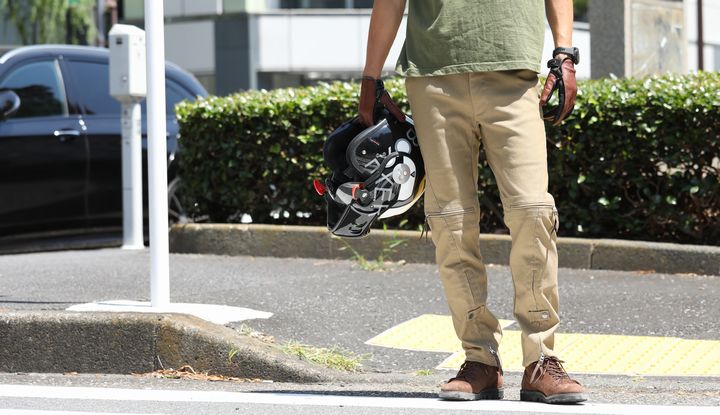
[471,70]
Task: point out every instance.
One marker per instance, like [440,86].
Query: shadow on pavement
[38,302]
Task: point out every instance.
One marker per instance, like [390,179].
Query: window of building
[326,4]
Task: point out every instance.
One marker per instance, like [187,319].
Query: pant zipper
[531,205]
[497,359]
[440,215]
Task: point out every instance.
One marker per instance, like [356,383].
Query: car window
[92,87]
[92,79]
[174,93]
[40,88]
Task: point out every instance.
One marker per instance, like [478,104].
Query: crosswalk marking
[584,353]
[138,395]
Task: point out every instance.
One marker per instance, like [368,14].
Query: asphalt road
[385,395]
[336,303]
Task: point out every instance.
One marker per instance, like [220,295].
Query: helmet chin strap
[390,105]
[382,97]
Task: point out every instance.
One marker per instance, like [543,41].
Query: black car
[60,155]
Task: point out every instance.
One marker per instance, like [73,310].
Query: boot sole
[489,394]
[561,398]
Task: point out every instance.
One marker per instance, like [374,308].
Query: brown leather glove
[373,97]
[561,77]
[368,99]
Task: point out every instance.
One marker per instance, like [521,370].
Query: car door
[43,153]
[101,116]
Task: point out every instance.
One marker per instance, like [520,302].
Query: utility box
[128,84]
[127,63]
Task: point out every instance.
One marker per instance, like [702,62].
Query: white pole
[100,18]
[132,176]
[157,155]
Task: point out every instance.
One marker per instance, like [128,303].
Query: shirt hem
[413,71]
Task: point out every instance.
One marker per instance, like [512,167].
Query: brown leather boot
[474,381]
[547,381]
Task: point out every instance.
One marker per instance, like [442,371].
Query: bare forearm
[560,17]
[384,23]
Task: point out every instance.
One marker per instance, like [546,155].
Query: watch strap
[573,53]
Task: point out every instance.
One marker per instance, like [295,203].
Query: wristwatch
[573,53]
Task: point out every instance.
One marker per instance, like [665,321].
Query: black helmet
[377,172]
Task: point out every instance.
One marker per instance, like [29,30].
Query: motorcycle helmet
[377,172]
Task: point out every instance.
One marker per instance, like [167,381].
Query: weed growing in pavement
[232,353]
[334,357]
[358,257]
[424,372]
[383,261]
[246,330]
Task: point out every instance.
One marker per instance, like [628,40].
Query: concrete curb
[316,242]
[60,342]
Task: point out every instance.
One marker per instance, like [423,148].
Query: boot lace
[469,371]
[552,366]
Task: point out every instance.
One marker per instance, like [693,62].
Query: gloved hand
[373,98]
[368,99]
[562,79]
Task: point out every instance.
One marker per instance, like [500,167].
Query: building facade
[231,45]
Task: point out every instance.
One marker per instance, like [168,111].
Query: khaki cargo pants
[453,115]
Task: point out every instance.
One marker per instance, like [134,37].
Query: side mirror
[9,103]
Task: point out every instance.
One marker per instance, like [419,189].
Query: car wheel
[177,213]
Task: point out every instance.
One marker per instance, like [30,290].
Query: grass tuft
[333,357]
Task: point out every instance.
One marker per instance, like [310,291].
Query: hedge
[637,159]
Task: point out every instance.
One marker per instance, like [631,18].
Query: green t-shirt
[455,36]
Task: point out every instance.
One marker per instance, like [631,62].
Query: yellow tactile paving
[427,333]
[584,353]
